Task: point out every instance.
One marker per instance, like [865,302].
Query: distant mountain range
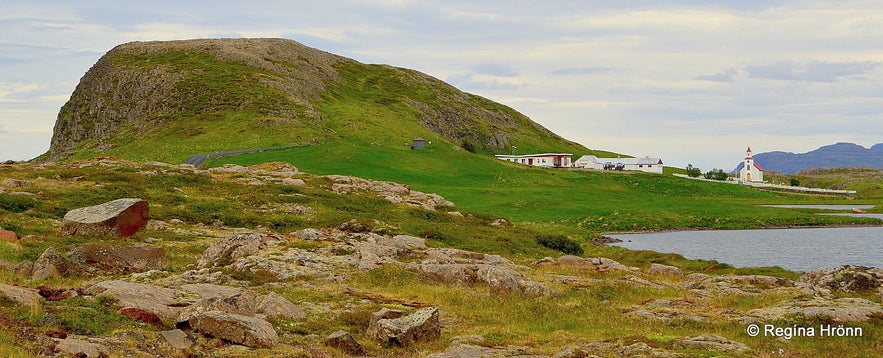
[831,156]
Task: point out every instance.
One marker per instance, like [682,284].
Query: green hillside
[572,202]
[166,101]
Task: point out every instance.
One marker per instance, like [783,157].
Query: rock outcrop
[160,301]
[345,342]
[117,218]
[91,259]
[420,326]
[22,295]
[244,330]
[8,235]
[846,279]
[838,310]
[393,192]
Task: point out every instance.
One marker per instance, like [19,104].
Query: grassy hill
[168,100]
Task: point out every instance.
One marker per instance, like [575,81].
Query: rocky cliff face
[139,86]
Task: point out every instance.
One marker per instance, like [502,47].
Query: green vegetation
[255,107]
[579,204]
[364,122]
[560,243]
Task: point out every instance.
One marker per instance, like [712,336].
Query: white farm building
[646,164]
[548,160]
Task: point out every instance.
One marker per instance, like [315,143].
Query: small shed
[419,143]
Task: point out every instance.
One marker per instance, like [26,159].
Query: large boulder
[92,258]
[23,295]
[174,342]
[345,342]
[154,299]
[420,326]
[96,258]
[248,331]
[8,235]
[73,347]
[50,264]
[117,218]
[664,270]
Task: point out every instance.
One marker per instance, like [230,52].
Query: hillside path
[199,159]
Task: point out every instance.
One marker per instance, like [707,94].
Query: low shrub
[560,243]
[16,203]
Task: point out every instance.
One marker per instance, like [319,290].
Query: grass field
[581,203]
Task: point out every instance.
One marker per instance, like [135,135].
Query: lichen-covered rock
[117,218]
[173,342]
[392,192]
[74,347]
[155,299]
[475,351]
[15,183]
[248,331]
[601,264]
[664,270]
[713,343]
[227,250]
[345,342]
[8,235]
[847,279]
[23,295]
[420,326]
[233,300]
[93,258]
[50,264]
[837,310]
[736,285]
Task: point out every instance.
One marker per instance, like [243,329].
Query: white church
[749,171]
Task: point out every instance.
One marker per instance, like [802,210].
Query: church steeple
[750,171]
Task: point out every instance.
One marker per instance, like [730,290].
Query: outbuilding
[645,164]
[419,143]
[546,160]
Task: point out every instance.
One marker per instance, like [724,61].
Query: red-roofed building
[750,171]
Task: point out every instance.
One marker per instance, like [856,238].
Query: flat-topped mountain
[168,100]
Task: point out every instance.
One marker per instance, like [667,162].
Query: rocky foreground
[256,292]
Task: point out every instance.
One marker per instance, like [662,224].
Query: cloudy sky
[689,81]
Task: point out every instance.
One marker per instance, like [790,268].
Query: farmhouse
[547,160]
[749,171]
[646,164]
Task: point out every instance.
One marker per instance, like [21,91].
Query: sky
[692,82]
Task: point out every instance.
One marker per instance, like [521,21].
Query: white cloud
[11,92]
[669,74]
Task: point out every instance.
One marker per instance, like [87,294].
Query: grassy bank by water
[573,202]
